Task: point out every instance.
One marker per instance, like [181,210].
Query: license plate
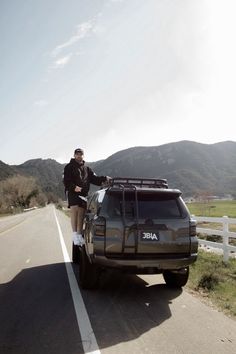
[149,236]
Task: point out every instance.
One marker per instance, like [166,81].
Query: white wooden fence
[224,233]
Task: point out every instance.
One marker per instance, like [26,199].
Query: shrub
[19,192]
[208,281]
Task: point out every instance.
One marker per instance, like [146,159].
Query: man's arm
[97,180]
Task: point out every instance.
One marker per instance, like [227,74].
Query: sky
[106,75]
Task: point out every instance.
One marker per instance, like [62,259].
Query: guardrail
[28,209]
[224,233]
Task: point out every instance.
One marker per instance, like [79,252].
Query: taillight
[100,226]
[193,227]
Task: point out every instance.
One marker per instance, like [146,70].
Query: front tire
[88,272]
[176,279]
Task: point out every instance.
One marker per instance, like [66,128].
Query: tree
[19,192]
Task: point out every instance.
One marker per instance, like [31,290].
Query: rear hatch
[147,223]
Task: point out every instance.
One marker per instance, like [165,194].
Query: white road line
[87,335]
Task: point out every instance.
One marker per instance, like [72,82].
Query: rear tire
[88,272]
[176,279]
[75,253]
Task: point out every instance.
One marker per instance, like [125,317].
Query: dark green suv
[137,225]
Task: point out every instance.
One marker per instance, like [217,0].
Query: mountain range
[189,166]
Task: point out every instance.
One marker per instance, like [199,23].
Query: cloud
[41,103]
[82,31]
[61,62]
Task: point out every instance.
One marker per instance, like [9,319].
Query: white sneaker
[77,239]
[81,239]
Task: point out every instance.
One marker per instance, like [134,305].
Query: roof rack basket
[128,182]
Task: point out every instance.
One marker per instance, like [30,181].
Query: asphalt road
[39,311]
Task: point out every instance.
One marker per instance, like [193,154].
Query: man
[77,179]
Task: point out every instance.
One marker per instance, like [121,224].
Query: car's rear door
[163,224]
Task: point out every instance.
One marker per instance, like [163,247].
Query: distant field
[214,208]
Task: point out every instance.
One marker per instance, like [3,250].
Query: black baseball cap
[81,151]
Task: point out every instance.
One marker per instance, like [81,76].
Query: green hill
[189,166]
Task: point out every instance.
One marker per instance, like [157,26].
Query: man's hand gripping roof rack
[138,182]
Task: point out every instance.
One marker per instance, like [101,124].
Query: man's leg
[80,220]
[77,218]
[74,217]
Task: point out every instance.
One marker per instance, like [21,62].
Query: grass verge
[216,208]
[211,278]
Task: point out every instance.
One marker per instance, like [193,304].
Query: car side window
[101,196]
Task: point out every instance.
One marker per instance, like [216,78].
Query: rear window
[151,206]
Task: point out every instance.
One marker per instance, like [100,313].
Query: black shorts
[74,199]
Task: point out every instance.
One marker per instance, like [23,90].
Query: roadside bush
[19,192]
[208,281]
[59,204]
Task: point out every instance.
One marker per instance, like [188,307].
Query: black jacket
[76,174]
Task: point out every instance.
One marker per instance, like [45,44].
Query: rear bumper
[157,265]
